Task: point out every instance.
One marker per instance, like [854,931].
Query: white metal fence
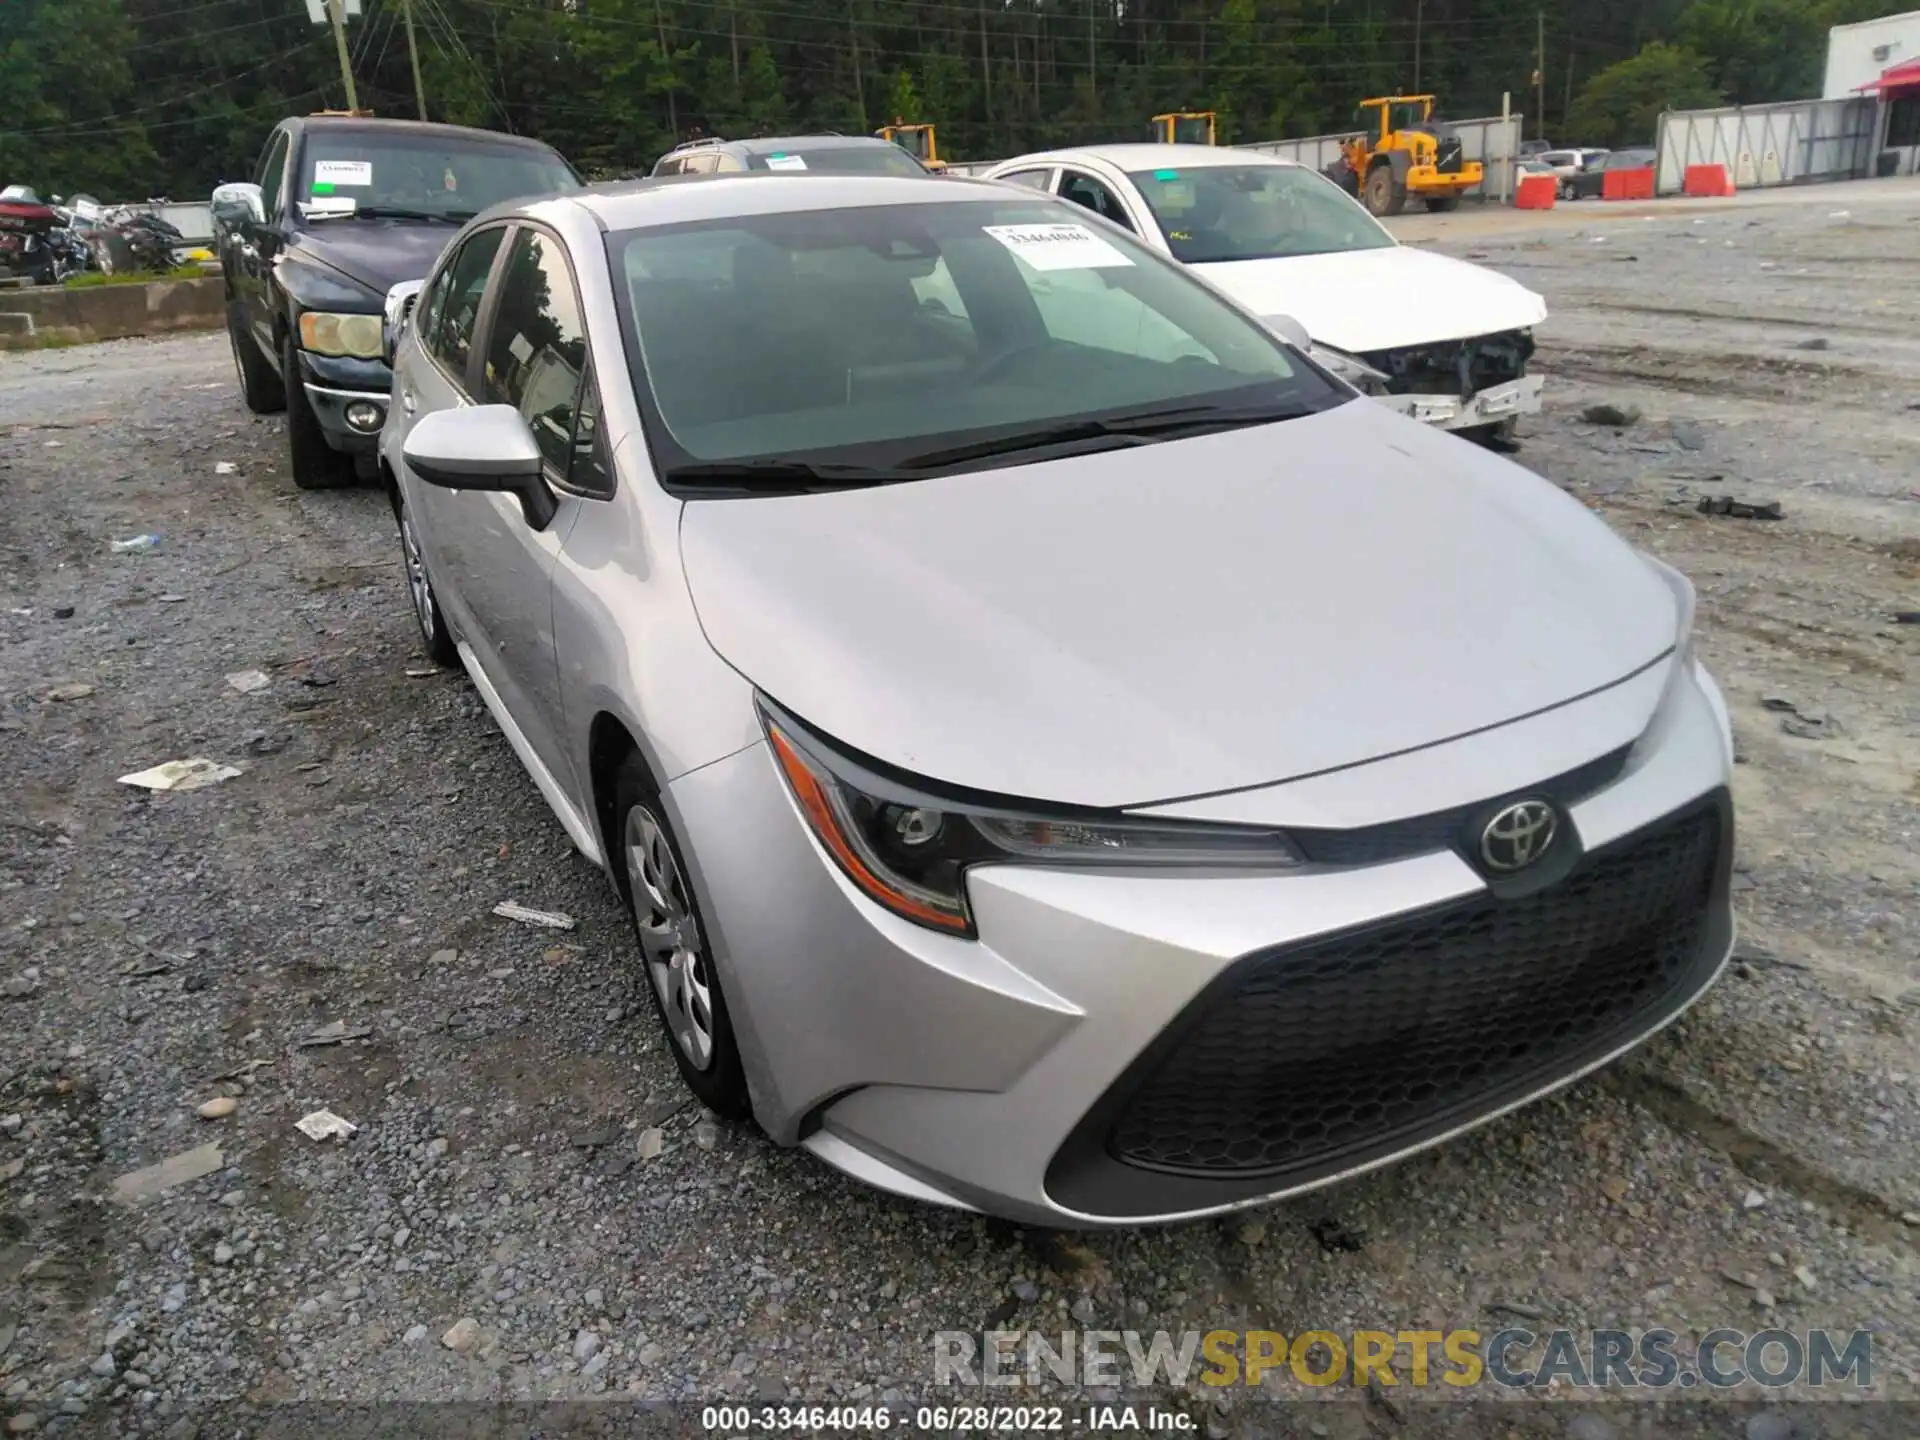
[1493,140]
[1791,143]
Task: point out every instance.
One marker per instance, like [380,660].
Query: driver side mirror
[399,309]
[482,447]
[238,203]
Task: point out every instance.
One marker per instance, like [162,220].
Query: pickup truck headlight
[325,332]
[910,851]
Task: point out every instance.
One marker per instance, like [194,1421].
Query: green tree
[1623,103]
[1757,50]
[72,121]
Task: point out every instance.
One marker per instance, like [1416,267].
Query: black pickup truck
[342,208]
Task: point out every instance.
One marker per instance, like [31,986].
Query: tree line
[128,99]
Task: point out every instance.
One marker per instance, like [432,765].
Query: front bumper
[335,384]
[1051,1070]
[1492,406]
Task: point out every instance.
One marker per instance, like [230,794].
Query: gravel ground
[500,1226]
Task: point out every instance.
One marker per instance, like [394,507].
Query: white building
[1857,54]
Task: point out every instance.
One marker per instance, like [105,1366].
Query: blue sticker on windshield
[1166,174]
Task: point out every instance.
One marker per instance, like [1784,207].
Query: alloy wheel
[670,939]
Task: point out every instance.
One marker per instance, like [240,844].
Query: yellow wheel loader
[1184,127]
[1403,152]
[917,140]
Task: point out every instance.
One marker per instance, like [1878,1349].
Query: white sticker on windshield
[786,162]
[1058,247]
[343,172]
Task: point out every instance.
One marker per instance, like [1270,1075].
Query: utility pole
[413,53]
[1540,70]
[1419,14]
[336,10]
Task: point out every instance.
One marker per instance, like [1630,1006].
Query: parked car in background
[1064,754]
[792,154]
[1535,147]
[1450,341]
[1587,183]
[1568,163]
[340,209]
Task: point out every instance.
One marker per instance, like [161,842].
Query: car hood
[378,254]
[1366,300]
[1177,619]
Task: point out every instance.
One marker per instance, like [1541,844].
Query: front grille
[1441,829]
[1449,156]
[1374,1038]
[1455,367]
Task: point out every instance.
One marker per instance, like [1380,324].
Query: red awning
[1904,76]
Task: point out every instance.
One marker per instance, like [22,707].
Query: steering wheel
[998,363]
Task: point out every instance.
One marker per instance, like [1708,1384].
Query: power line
[171,100]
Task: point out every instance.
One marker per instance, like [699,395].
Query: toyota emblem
[1518,835]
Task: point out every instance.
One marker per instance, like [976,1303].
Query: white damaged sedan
[1450,340]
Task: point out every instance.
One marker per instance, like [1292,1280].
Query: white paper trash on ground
[181,775]
[248,681]
[551,919]
[325,1125]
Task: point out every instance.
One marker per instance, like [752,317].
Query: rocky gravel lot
[531,1209]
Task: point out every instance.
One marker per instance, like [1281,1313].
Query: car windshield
[889,336]
[351,171]
[1216,213]
[880,158]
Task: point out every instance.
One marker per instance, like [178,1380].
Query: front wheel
[674,948]
[316,464]
[427,614]
[1384,195]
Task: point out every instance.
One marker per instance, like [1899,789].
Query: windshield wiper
[781,475]
[1141,427]
[405,212]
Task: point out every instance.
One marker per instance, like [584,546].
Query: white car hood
[1366,300]
[1188,617]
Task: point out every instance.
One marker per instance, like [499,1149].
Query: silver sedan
[1065,754]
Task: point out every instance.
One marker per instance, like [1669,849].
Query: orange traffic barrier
[1707,180]
[1535,192]
[1627,184]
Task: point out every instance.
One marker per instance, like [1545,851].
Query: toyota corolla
[1064,753]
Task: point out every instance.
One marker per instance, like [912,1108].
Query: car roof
[1152,157]
[426,129]
[776,144]
[677,199]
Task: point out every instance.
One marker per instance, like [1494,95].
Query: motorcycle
[132,239]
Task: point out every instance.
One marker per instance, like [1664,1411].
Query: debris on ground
[137,543]
[550,919]
[1687,434]
[1810,727]
[335,1033]
[1619,417]
[1740,509]
[174,1170]
[462,1336]
[224,467]
[1906,617]
[324,1125]
[181,775]
[248,681]
[652,1141]
[219,1107]
[1817,343]
[70,690]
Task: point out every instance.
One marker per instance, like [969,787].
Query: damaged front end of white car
[1477,384]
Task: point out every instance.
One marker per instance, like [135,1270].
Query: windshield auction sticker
[343,172]
[1058,247]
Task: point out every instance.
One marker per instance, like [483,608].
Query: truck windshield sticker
[1058,247]
[786,162]
[343,172]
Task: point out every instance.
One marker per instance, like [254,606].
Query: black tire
[1441,204]
[721,1082]
[435,638]
[1385,195]
[259,386]
[316,464]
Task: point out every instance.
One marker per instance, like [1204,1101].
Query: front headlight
[909,850]
[326,333]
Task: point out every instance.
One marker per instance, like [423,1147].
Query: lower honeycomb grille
[1411,1027]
